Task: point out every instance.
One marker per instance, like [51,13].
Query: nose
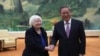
[39,22]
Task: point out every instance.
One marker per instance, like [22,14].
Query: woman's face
[37,23]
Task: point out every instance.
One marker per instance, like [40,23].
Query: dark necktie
[67,30]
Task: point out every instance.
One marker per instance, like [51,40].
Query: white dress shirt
[65,25]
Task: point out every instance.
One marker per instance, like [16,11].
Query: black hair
[64,7]
[38,14]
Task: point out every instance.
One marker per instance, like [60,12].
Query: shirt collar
[68,21]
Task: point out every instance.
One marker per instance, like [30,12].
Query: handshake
[50,47]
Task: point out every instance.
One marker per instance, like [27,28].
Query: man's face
[65,14]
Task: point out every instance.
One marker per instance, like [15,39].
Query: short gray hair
[33,18]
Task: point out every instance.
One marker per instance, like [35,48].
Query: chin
[39,26]
[66,19]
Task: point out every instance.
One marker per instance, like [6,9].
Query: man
[70,33]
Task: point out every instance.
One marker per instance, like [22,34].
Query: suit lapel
[72,27]
[63,29]
[43,34]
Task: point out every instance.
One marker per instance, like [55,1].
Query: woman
[35,38]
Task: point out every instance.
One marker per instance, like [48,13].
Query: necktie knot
[67,23]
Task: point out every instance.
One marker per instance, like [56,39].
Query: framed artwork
[15,14]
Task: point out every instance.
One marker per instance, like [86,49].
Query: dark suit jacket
[33,46]
[75,44]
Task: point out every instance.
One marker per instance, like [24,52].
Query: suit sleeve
[55,36]
[82,39]
[30,42]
